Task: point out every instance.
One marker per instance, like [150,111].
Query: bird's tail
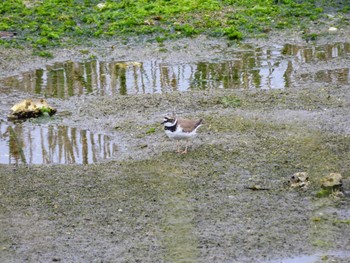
[200,122]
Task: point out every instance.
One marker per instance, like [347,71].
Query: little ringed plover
[181,129]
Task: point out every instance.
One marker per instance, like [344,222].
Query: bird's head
[169,121]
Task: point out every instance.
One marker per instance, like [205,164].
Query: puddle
[319,257]
[246,67]
[300,259]
[260,68]
[21,143]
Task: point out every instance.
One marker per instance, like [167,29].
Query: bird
[181,129]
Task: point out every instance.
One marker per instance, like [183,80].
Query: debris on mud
[6,34]
[31,109]
[299,180]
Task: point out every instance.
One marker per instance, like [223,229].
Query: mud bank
[149,204]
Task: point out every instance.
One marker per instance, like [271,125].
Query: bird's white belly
[178,134]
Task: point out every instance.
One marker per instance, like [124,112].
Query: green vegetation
[47,111]
[345,221]
[231,101]
[151,130]
[49,23]
[323,193]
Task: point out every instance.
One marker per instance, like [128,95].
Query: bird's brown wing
[189,125]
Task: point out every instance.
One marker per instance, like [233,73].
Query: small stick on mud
[257,188]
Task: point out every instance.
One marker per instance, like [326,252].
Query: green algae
[47,24]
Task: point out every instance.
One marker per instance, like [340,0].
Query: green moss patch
[50,23]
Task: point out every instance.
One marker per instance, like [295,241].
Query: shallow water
[319,257]
[24,143]
[244,68]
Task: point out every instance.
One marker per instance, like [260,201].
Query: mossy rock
[31,109]
[333,181]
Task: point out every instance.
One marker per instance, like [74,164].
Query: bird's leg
[185,151]
[177,147]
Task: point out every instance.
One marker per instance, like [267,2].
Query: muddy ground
[149,204]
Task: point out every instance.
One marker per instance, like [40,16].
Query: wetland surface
[107,185]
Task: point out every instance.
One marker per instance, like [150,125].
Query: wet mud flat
[149,204]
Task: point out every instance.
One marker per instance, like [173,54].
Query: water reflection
[268,68]
[317,52]
[21,143]
[339,76]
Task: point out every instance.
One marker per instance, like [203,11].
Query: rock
[331,186]
[300,180]
[101,5]
[333,181]
[30,109]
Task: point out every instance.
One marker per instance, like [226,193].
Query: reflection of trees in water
[16,144]
[317,53]
[251,68]
[231,74]
[339,76]
[53,145]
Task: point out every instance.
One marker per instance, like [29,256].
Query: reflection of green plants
[47,23]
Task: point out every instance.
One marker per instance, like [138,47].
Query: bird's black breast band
[171,128]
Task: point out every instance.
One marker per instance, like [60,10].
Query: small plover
[181,129]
